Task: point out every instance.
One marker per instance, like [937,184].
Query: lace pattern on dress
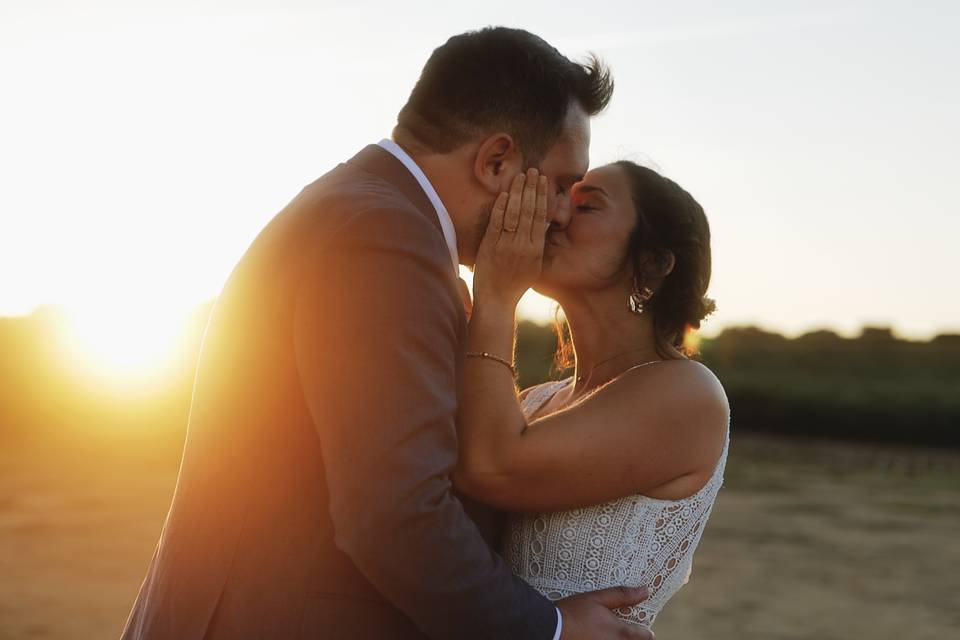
[629,541]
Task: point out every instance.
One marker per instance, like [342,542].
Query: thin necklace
[594,367]
[588,394]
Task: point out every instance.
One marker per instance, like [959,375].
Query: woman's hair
[669,220]
[500,79]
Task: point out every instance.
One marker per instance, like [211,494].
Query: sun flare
[125,345]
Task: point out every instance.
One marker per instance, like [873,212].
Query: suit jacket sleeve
[376,340]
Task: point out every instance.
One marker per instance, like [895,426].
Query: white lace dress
[630,541]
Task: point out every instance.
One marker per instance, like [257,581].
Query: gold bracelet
[490,356]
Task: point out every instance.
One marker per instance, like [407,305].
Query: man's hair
[500,79]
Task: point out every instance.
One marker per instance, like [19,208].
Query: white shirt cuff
[556,636]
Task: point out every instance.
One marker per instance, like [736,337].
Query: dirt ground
[808,540]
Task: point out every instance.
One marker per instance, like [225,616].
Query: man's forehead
[570,156]
[576,125]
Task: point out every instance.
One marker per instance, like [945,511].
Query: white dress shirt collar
[446,224]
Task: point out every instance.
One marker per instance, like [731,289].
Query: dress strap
[637,366]
[542,393]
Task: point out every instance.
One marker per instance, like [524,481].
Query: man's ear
[497,162]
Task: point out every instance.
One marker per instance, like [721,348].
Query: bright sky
[143,145]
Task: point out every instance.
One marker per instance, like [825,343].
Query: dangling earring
[639,297]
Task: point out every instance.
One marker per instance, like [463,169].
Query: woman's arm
[651,427]
[656,426]
[508,261]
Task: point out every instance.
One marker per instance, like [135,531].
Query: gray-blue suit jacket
[314,498]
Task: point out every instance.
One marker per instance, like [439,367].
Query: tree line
[875,387]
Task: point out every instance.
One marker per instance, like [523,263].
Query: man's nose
[560,217]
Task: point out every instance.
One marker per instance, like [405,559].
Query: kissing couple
[359,463]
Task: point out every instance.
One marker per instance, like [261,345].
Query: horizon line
[707,332]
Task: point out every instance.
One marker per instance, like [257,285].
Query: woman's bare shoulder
[681,381]
[681,398]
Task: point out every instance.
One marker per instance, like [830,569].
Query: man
[314,497]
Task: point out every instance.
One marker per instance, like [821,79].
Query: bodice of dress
[633,541]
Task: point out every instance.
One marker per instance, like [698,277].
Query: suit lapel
[380,162]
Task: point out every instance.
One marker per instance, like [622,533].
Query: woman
[613,471]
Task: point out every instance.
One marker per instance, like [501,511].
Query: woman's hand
[511,253]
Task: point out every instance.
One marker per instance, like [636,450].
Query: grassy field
[808,540]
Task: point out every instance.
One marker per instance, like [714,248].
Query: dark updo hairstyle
[500,79]
[668,220]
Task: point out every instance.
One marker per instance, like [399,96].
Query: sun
[127,346]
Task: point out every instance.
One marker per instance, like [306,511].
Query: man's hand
[590,615]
